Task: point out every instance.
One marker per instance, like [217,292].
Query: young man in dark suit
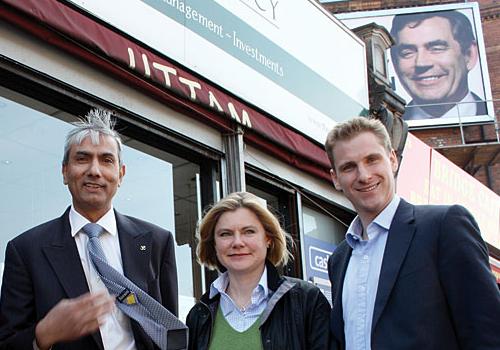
[406,276]
[52,295]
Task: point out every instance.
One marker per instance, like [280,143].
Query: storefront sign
[163,79]
[427,177]
[256,50]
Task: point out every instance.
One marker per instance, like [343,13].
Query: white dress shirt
[116,331]
[362,276]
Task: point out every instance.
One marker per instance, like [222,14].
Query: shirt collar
[384,219]
[77,221]
[219,286]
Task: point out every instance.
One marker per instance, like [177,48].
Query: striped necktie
[166,330]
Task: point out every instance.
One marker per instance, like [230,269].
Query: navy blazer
[436,290]
[42,266]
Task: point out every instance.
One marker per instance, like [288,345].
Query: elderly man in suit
[405,277]
[52,295]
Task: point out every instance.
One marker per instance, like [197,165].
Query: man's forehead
[102,144]
[364,142]
[425,30]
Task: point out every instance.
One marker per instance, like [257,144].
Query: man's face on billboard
[430,63]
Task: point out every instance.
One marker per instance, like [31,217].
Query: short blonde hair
[351,128]
[277,252]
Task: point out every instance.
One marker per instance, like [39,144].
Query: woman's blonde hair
[277,252]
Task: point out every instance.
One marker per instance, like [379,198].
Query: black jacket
[296,316]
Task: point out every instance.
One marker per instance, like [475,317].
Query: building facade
[205,109]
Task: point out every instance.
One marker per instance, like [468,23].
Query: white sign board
[291,59]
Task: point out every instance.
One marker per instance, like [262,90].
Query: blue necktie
[159,323]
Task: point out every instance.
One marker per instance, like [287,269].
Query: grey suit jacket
[436,290]
[42,266]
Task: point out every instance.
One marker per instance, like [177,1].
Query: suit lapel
[135,247]
[62,254]
[398,241]
[338,268]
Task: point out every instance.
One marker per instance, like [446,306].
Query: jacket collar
[398,242]
[63,257]
[136,247]
[274,280]
[278,287]
[338,268]
[273,277]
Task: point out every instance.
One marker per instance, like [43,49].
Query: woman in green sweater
[250,306]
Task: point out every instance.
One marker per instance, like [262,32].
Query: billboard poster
[437,63]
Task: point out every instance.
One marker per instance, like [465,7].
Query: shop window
[324,227]
[281,200]
[159,187]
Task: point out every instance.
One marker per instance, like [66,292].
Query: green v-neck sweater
[226,337]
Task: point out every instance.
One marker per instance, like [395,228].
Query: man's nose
[423,60]
[94,168]
[364,173]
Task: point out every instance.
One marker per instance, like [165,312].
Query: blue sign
[317,253]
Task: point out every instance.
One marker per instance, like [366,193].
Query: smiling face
[241,242]
[364,171]
[93,175]
[430,63]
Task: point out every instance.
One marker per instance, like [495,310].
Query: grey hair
[95,123]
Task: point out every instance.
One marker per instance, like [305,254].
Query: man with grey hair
[406,276]
[54,293]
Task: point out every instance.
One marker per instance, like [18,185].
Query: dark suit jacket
[436,290]
[42,266]
[412,114]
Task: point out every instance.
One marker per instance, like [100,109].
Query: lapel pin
[143,247]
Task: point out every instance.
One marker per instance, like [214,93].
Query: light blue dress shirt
[362,275]
[241,319]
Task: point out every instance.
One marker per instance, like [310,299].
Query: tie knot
[92,230]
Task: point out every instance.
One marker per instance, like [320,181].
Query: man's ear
[336,184]
[472,56]
[393,158]
[63,171]
[122,174]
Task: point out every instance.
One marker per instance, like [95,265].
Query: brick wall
[490,18]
